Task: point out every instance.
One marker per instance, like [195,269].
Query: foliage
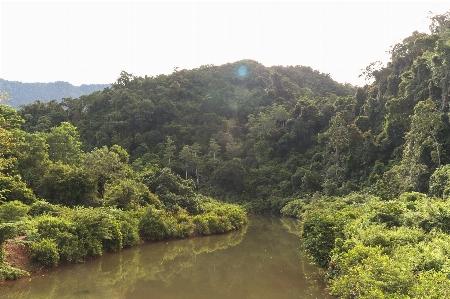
[13,211]
[440,182]
[153,225]
[128,194]
[376,248]
[66,185]
[294,208]
[8,272]
[320,230]
[13,188]
[149,152]
[41,207]
[44,253]
[104,165]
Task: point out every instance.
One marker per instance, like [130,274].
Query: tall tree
[169,151]
[103,166]
[214,149]
[187,157]
[64,144]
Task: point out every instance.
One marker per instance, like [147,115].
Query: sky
[91,42]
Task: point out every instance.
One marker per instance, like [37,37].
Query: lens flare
[242,71]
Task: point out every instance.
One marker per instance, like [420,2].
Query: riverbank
[241,263]
[77,235]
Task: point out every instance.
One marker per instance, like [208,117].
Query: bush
[367,273]
[63,234]
[152,225]
[8,272]
[236,215]
[319,231]
[13,211]
[112,236]
[128,223]
[184,225]
[201,225]
[7,231]
[431,285]
[294,208]
[12,188]
[44,253]
[97,229]
[42,207]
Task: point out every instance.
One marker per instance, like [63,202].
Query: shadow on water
[262,260]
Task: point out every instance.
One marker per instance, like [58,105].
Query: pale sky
[88,42]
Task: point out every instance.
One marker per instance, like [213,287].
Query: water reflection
[260,261]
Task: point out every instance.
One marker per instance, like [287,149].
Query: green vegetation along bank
[83,204]
[375,248]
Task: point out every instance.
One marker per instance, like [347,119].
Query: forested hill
[235,129]
[26,93]
[262,135]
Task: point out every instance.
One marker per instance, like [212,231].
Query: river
[262,260]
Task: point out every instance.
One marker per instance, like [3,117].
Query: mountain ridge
[22,93]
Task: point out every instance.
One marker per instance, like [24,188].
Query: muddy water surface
[262,260]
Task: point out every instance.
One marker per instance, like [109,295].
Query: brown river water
[262,260]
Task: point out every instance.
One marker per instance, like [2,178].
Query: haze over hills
[25,93]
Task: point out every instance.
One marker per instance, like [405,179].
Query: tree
[32,157]
[196,160]
[279,114]
[66,185]
[260,124]
[4,97]
[425,123]
[103,166]
[169,151]
[128,194]
[9,125]
[187,157]
[41,116]
[440,182]
[64,144]
[231,177]
[336,138]
[214,149]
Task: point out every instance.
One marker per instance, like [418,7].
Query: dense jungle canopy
[260,135]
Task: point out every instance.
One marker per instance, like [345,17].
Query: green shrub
[41,207]
[8,272]
[128,222]
[63,233]
[388,212]
[152,225]
[213,223]
[234,214]
[378,235]
[367,273]
[7,231]
[319,232]
[13,188]
[184,225]
[44,253]
[294,208]
[89,227]
[112,236]
[431,285]
[13,211]
[201,225]
[130,233]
